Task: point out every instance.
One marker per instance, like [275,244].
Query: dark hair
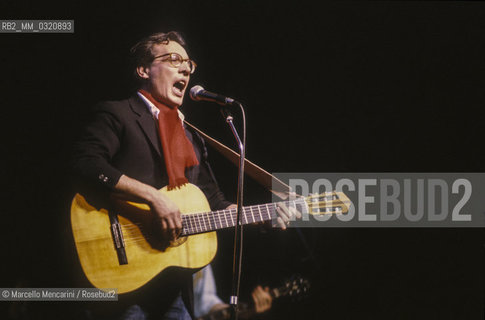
[141,52]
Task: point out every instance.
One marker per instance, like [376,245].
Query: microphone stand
[238,229]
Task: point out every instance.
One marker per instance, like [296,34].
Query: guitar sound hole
[177,242]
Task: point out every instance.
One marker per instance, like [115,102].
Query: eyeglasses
[176,61]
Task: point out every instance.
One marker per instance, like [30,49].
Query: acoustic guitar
[117,252]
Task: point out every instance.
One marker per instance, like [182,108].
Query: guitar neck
[298,286]
[221,219]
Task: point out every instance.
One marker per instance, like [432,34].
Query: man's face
[166,83]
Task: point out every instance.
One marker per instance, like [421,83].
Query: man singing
[133,147]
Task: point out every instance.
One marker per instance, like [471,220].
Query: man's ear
[142,72]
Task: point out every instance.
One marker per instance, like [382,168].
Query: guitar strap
[263,177]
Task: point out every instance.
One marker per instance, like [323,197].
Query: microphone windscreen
[194,92]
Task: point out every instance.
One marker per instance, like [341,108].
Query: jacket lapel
[146,122]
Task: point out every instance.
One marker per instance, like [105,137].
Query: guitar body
[96,250]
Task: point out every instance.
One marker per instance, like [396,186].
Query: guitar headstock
[328,203]
[296,288]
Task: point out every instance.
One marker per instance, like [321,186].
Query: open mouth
[179,87]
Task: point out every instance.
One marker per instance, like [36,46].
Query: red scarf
[177,149]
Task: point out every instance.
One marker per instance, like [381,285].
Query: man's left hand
[286,214]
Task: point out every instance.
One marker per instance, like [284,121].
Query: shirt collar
[154,110]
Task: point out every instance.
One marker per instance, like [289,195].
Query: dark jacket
[122,138]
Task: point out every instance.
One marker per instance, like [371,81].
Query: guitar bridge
[118,240]
[117,236]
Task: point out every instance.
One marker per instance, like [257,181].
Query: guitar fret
[220,222]
[194,223]
[252,214]
[190,224]
[225,218]
[209,221]
[206,222]
[186,225]
[212,221]
[200,225]
[260,215]
[245,215]
[232,220]
[203,221]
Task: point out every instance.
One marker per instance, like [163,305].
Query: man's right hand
[167,221]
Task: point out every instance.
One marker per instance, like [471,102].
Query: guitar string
[207,218]
[210,219]
[198,222]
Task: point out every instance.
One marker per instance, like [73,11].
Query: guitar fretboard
[220,219]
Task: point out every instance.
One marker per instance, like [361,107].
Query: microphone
[198,93]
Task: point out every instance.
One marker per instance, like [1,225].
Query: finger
[285,214]
[178,226]
[257,305]
[257,298]
[295,213]
[290,212]
[178,220]
[281,223]
[283,211]
[172,231]
[163,225]
[165,230]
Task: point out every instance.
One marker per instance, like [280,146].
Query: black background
[327,87]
